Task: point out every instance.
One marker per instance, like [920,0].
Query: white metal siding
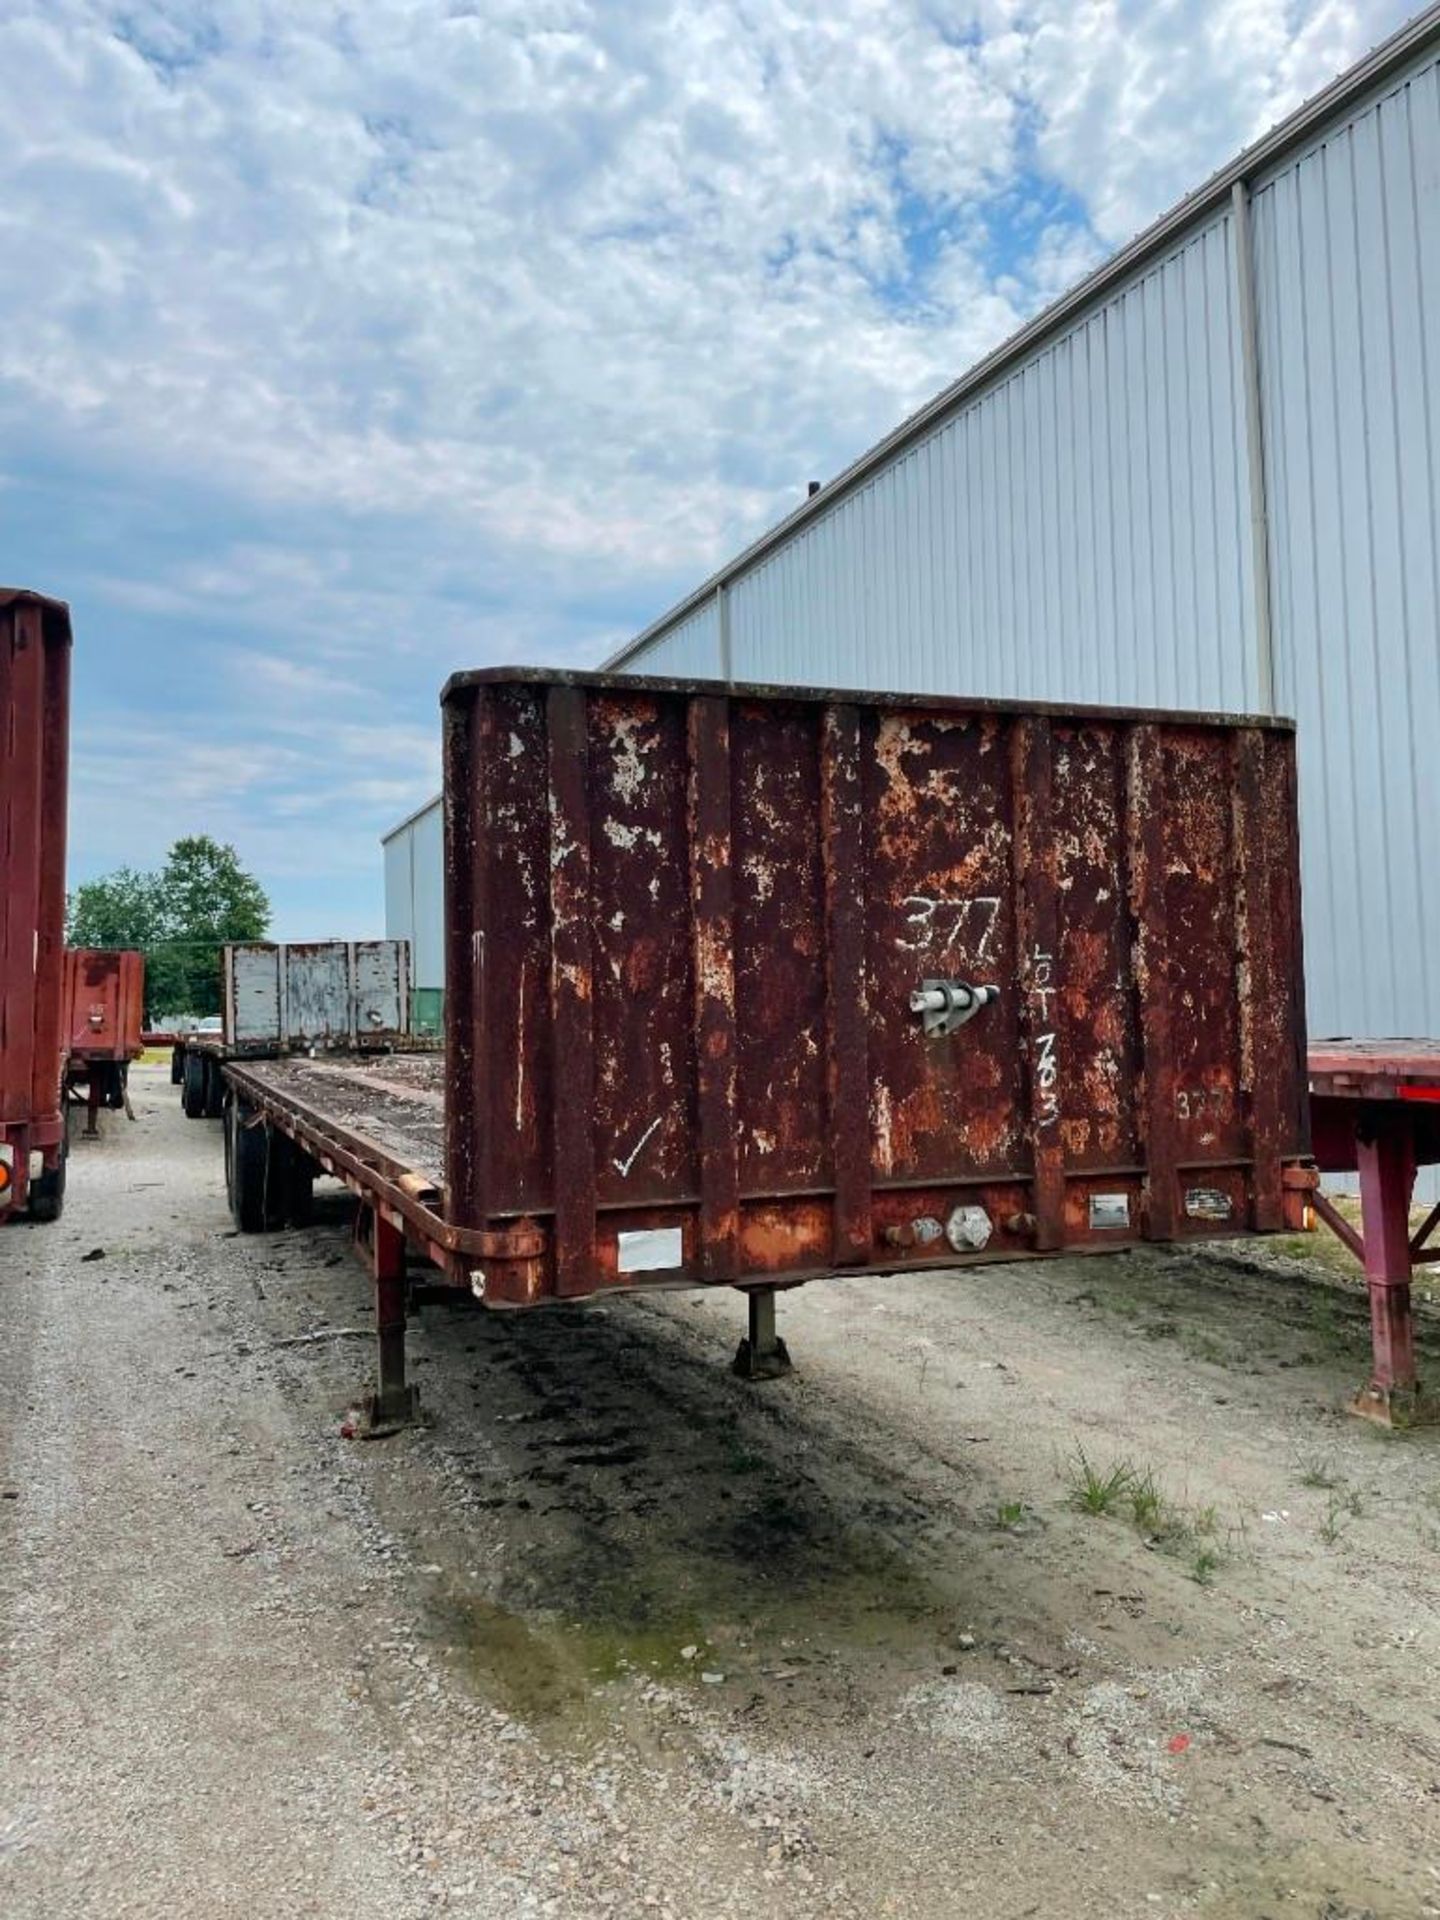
[428,856]
[1079,527]
[399,889]
[692,647]
[1347,258]
[415,894]
[1080,531]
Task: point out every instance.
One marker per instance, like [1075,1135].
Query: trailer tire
[251,1170]
[292,1177]
[214,1089]
[193,1088]
[177,1065]
[299,1187]
[47,1194]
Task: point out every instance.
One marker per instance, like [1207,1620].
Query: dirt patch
[621,1634]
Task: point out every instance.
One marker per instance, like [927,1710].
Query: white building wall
[399,891]
[1079,527]
[1080,531]
[693,648]
[1347,257]
[428,862]
[415,893]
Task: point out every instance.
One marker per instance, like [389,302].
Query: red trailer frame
[288,1118]
[35,645]
[1375,1111]
[104,1012]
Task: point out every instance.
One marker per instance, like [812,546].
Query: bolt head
[968,1229]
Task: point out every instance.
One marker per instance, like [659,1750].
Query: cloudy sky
[347,342]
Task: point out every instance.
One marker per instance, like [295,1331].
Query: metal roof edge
[1347,88]
[411,818]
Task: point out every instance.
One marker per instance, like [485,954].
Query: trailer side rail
[408,1199]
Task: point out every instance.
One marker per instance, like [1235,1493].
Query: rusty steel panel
[315,985]
[35,648]
[685,923]
[251,1008]
[104,1003]
[315,993]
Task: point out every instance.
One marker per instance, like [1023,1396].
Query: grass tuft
[1147,1503]
[1135,1493]
[1319,1471]
[1094,1491]
[1332,1527]
[1205,1565]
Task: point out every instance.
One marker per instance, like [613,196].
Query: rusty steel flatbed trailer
[297,996]
[104,1004]
[748,986]
[195,1062]
[35,645]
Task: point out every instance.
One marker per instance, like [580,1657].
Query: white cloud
[600,281]
[1135,105]
[526,268]
[425,333]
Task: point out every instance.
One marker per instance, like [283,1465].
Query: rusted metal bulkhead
[350,995]
[104,1003]
[34,762]
[754,984]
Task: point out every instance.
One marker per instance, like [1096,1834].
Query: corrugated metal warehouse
[1207,478]
[415,909]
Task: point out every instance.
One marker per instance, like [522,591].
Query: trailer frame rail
[383,1180]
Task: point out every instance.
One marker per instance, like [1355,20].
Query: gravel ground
[617,1634]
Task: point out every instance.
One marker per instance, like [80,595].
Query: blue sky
[347,345]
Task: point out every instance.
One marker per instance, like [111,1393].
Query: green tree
[207,898]
[122,909]
[179,918]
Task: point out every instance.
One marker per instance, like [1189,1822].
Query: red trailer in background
[104,1017]
[34,759]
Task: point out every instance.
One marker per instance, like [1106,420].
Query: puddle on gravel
[625,1504]
[548,1670]
[770,1587]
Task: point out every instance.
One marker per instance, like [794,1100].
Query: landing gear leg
[1386,1157]
[394,1403]
[762,1355]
